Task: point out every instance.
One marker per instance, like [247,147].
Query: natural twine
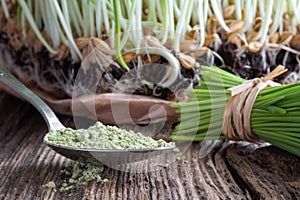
[239,107]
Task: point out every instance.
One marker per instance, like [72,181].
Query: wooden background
[231,171]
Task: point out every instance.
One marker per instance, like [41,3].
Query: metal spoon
[111,157]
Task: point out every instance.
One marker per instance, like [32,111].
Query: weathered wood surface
[230,171]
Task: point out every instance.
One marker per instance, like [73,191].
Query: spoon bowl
[110,157]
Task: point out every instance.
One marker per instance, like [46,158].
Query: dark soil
[239,65]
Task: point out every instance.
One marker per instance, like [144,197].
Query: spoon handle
[49,116]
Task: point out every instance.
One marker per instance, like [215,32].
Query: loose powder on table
[77,174]
[101,136]
[50,184]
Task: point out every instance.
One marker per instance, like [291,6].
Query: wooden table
[231,171]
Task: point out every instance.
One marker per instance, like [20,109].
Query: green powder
[50,184]
[77,174]
[80,173]
[100,136]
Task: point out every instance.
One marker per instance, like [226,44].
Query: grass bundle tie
[239,107]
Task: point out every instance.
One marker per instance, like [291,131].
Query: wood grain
[231,171]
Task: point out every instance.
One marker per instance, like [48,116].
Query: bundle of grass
[226,106]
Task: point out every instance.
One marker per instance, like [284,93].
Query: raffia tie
[239,107]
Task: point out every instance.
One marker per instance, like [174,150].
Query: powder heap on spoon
[101,136]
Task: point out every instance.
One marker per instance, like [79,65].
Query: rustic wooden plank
[267,173]
[231,171]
